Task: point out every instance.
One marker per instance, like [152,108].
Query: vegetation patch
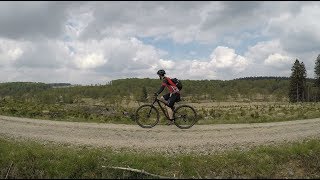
[30,160]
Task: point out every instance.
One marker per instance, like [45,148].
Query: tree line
[135,89]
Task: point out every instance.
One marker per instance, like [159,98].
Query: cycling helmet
[161,72]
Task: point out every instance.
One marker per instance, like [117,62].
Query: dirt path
[200,138]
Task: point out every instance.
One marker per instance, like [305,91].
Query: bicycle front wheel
[185,117]
[147,116]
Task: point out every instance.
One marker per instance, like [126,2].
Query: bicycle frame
[181,115]
[163,110]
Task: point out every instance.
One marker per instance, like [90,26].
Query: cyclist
[170,98]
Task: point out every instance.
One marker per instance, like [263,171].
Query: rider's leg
[163,100]
[170,107]
[170,112]
[166,99]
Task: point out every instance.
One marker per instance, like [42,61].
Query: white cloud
[167,64]
[201,70]
[268,58]
[260,51]
[92,60]
[223,63]
[192,69]
[11,50]
[279,61]
[297,31]
[113,56]
[45,53]
[226,58]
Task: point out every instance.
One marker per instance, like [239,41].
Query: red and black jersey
[167,82]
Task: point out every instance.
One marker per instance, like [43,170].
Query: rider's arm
[161,89]
[163,85]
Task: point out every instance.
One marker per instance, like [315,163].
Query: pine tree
[303,80]
[317,72]
[144,94]
[293,88]
[297,88]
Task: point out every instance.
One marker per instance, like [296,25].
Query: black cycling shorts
[172,99]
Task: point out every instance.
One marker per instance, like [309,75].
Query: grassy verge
[27,159]
[208,113]
[67,112]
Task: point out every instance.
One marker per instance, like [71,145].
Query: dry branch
[138,171]
[9,170]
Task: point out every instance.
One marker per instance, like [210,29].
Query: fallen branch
[138,171]
[9,170]
[198,174]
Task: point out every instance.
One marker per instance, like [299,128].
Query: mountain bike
[147,115]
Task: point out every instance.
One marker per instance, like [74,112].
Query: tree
[297,87]
[303,81]
[317,72]
[144,94]
[317,78]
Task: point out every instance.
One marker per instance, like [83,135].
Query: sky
[89,42]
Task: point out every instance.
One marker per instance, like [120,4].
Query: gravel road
[201,139]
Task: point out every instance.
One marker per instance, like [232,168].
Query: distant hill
[60,84]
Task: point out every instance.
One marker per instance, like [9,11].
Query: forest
[134,89]
[268,89]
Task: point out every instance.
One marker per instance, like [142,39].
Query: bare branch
[9,170]
[138,171]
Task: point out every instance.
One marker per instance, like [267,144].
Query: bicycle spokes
[147,116]
[185,117]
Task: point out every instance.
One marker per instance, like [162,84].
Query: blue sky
[180,52]
[88,42]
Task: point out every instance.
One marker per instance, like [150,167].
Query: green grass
[262,113]
[34,160]
[209,113]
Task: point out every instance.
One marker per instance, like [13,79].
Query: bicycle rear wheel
[147,116]
[185,117]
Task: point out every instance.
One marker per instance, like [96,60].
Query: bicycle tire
[185,117]
[143,119]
